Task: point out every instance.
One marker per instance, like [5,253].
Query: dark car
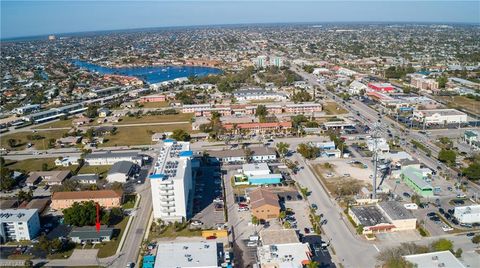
[289,198]
[431,214]
[405,194]
[441,210]
[306,230]
[299,197]
[314,206]
[455,221]
[458,201]
[470,234]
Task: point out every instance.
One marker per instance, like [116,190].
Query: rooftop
[255,167]
[86,194]
[111,154]
[260,197]
[415,175]
[89,232]
[435,259]
[281,236]
[369,215]
[172,160]
[122,167]
[292,255]
[193,254]
[395,210]
[16,215]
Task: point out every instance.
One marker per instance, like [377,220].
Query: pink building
[385,87]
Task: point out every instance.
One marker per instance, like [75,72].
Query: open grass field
[162,104]
[462,102]
[36,165]
[140,135]
[156,119]
[100,170]
[22,139]
[332,108]
[170,232]
[109,248]
[56,124]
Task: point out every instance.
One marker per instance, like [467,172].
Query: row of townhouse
[206,110]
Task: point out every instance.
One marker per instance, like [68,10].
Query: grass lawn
[36,165]
[162,104]
[20,257]
[140,135]
[171,233]
[129,201]
[156,118]
[109,248]
[22,139]
[56,124]
[332,108]
[463,102]
[100,170]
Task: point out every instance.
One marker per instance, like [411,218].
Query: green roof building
[414,179]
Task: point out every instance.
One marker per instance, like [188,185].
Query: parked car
[306,230]
[212,237]
[470,234]
[196,223]
[405,194]
[314,206]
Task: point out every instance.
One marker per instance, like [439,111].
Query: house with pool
[257,174]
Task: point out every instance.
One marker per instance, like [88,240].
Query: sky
[40,17]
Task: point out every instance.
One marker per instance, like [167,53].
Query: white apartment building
[110,158]
[19,224]
[258,94]
[440,116]
[171,182]
[467,214]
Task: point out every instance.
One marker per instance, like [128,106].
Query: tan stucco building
[105,198]
[264,204]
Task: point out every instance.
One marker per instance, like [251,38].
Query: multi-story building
[261,61]
[19,224]
[105,198]
[193,108]
[257,94]
[303,108]
[261,127]
[467,214]
[171,182]
[421,82]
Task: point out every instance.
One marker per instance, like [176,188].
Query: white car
[446,228]
[196,223]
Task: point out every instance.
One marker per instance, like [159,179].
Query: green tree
[12,143]
[282,215]
[44,167]
[308,151]
[359,229]
[442,244]
[447,156]
[313,264]
[6,180]
[80,214]
[472,172]
[282,148]
[301,96]
[442,81]
[91,111]
[255,220]
[261,112]
[28,263]
[458,253]
[180,135]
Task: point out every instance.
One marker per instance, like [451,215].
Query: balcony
[167,204]
[168,199]
[168,210]
[166,188]
[167,193]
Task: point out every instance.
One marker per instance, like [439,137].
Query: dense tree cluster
[399,71]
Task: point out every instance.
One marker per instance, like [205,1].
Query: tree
[313,264]
[180,135]
[261,112]
[80,214]
[458,253]
[6,180]
[24,196]
[282,148]
[248,154]
[301,96]
[12,143]
[44,167]
[308,151]
[447,156]
[28,263]
[476,239]
[359,229]
[442,244]
[416,199]
[255,220]
[442,81]
[472,172]
[91,111]
[282,215]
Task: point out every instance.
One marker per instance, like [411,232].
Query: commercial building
[121,171]
[26,109]
[386,216]
[260,174]
[171,182]
[472,138]
[414,178]
[19,224]
[434,259]
[86,234]
[303,108]
[281,248]
[421,82]
[193,254]
[440,116]
[378,144]
[261,127]
[383,87]
[49,177]
[264,204]
[55,113]
[263,154]
[229,156]
[110,158]
[105,198]
[467,214]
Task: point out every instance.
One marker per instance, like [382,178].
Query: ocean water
[150,74]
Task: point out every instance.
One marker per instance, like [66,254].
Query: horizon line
[30,37]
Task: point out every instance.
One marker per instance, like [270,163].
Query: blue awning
[185,153]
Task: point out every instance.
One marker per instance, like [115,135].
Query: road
[350,250]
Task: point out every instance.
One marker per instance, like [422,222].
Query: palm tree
[282,148]
[313,264]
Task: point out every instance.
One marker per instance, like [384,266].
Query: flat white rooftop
[16,215]
[291,255]
[194,254]
[171,161]
[435,259]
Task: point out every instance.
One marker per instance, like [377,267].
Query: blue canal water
[150,74]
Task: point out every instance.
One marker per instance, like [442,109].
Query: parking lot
[208,211]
